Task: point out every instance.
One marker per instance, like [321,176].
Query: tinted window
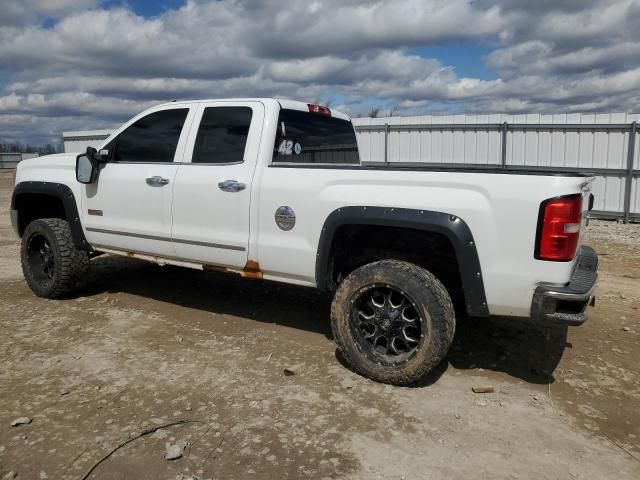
[222,135]
[152,138]
[314,138]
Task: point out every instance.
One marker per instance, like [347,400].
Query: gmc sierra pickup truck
[275,189]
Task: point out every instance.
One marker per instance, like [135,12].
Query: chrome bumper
[566,305]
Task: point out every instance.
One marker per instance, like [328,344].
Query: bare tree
[18,147]
[374,112]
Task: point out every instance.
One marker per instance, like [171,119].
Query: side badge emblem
[285,218]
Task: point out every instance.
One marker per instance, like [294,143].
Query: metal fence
[11,160]
[605,145]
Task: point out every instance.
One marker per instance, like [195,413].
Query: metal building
[10,160]
[604,144]
[80,140]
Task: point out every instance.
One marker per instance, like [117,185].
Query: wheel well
[31,206]
[356,245]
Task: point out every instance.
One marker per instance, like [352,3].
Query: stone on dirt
[483,389]
[176,450]
[21,421]
[347,383]
[288,372]
[626,329]
[10,476]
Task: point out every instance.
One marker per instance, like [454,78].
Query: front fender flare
[60,191]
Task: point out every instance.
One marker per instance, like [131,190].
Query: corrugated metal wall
[11,160]
[79,141]
[601,144]
[549,146]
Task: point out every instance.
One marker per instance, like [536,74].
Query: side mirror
[91,153]
[86,169]
[101,156]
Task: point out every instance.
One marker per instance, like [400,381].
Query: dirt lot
[148,345]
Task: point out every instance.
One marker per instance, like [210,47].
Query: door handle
[231,186]
[157,181]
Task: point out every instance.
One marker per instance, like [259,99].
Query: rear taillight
[559,228]
[313,108]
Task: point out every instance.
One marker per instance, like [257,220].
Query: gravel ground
[615,232]
[147,345]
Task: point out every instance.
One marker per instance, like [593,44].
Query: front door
[129,206]
[212,191]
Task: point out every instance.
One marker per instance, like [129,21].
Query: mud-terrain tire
[354,316]
[52,265]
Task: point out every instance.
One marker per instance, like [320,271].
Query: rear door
[212,191]
[129,206]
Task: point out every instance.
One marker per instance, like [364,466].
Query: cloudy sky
[83,64]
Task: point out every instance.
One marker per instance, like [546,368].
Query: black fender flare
[451,226]
[65,195]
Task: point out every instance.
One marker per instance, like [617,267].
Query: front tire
[392,321]
[52,265]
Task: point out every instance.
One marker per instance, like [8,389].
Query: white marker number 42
[286,147]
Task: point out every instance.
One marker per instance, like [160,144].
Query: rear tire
[52,265]
[392,321]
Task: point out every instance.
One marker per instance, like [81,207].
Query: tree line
[19,147]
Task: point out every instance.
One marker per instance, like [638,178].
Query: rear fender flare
[451,226]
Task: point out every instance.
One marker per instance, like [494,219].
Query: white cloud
[96,67]
[23,12]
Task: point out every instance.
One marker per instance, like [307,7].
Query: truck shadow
[521,349]
[528,351]
[213,292]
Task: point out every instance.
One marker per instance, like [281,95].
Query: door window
[222,135]
[151,139]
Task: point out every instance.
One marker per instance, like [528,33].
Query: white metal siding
[536,148]
[11,160]
[79,141]
[80,145]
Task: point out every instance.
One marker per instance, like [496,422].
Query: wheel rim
[41,259]
[387,324]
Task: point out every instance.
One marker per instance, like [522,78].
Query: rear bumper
[566,305]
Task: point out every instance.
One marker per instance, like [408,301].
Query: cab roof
[283,102]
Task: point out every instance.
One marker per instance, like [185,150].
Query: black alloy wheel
[386,324]
[41,259]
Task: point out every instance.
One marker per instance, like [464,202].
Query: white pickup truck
[275,189]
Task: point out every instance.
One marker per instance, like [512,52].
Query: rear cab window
[313,138]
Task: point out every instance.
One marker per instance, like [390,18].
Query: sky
[90,64]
